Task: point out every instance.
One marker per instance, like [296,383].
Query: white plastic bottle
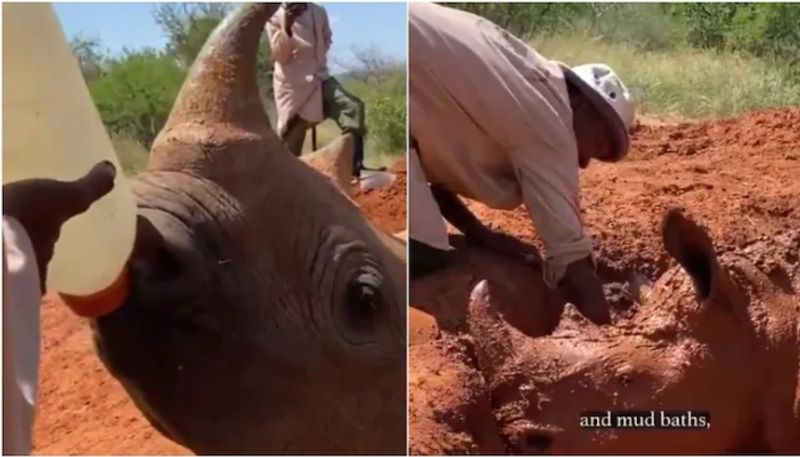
[51,129]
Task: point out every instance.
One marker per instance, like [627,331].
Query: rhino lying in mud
[266,315]
[713,334]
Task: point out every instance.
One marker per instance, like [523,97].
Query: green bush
[387,122]
[527,19]
[770,31]
[384,94]
[647,26]
[774,34]
[685,59]
[135,94]
[386,111]
[188,26]
[762,29]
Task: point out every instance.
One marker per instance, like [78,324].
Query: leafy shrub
[770,31]
[387,122]
[135,94]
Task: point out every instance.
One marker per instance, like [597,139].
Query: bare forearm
[457,213]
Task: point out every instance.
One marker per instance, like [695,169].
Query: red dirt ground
[386,207]
[738,177]
[83,410]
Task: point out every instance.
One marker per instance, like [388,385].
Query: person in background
[494,121]
[33,212]
[305,93]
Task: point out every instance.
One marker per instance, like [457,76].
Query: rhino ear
[690,245]
[334,160]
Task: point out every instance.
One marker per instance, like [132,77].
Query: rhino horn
[221,85]
[218,107]
[493,337]
[335,161]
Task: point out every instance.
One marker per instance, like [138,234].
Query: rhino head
[713,334]
[266,315]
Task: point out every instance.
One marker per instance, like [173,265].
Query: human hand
[291,12]
[42,206]
[582,287]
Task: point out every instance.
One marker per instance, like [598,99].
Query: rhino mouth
[118,371]
[142,342]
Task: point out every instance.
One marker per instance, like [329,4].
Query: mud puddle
[738,177]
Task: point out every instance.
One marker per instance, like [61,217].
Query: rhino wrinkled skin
[266,315]
[713,334]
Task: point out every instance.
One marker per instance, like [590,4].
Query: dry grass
[685,83]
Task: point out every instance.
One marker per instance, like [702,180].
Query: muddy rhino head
[713,335]
[266,315]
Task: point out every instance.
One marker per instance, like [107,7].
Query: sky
[131,25]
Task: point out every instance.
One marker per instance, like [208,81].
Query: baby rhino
[266,314]
[713,334]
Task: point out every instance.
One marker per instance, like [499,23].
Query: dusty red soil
[82,409]
[386,207]
[738,177]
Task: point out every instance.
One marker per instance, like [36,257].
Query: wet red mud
[739,178]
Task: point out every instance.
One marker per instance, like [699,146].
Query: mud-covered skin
[266,315]
[449,411]
[723,339]
[737,176]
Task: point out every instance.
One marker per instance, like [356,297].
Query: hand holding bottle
[42,206]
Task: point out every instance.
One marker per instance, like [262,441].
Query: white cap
[605,81]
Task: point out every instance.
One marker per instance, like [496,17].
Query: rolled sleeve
[550,190]
[500,133]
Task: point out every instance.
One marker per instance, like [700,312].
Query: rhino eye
[361,304]
[363,301]
[352,290]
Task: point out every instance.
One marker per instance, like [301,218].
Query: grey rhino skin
[266,315]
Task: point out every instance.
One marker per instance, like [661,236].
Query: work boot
[358,154]
[358,157]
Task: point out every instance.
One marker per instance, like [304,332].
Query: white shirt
[21,344]
[493,123]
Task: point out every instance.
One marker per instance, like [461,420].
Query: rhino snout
[165,260]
